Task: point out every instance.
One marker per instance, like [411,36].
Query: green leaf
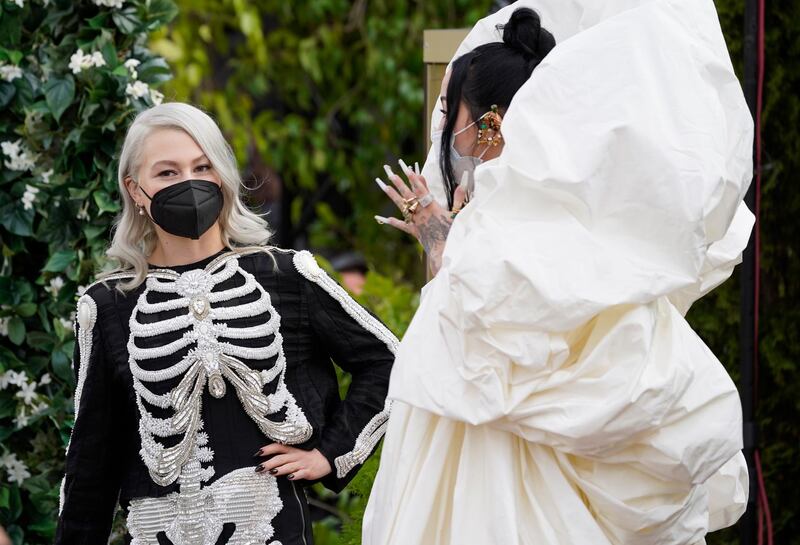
[155,70]
[15,504]
[5,498]
[16,219]
[60,261]
[79,193]
[11,26]
[16,330]
[26,310]
[7,92]
[93,231]
[59,93]
[61,367]
[160,12]
[8,408]
[104,202]
[126,20]
[98,21]
[43,526]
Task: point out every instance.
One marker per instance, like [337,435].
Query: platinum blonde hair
[134,236]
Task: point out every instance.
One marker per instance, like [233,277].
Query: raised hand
[424,218]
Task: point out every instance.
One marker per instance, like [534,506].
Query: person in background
[353,269]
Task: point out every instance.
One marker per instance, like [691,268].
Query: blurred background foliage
[315,96]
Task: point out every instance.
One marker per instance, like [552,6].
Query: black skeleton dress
[181,380]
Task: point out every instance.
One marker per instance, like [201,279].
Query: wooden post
[438,48]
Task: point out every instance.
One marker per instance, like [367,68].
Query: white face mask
[463,165]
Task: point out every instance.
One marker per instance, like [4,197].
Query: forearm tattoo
[432,235]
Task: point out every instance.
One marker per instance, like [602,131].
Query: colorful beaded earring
[489,128]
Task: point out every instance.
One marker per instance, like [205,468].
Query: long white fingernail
[404,166]
[416,168]
[381,220]
[464,179]
[380,184]
[388,171]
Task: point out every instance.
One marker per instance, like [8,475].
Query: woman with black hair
[476,93]
[549,390]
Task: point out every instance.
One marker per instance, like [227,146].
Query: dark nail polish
[260,468]
[273,471]
[257,454]
[290,477]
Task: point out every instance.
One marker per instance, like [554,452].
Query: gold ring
[410,207]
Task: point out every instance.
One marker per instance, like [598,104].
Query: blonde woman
[205,347]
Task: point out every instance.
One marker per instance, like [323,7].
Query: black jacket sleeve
[362,346]
[91,485]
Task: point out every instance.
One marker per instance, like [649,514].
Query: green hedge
[67,91]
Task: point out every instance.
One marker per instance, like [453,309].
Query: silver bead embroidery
[195,516]
[85,317]
[208,361]
[369,437]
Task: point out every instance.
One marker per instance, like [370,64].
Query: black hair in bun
[524,33]
[492,74]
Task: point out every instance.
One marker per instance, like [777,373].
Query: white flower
[67,324]
[4,329]
[46,176]
[79,61]
[131,65]
[81,290]
[27,393]
[21,420]
[29,197]
[16,468]
[109,3]
[15,379]
[39,408]
[18,156]
[83,212]
[17,472]
[137,89]
[55,286]
[45,379]
[9,72]
[97,59]
[156,97]
[19,3]
[8,459]
[11,149]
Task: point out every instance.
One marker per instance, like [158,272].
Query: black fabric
[103,461]
[187,209]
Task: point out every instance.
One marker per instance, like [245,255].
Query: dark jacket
[206,314]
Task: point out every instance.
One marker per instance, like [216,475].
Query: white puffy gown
[549,390]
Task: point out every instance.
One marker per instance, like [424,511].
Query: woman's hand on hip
[294,463]
[424,218]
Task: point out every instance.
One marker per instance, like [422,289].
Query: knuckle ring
[426,200]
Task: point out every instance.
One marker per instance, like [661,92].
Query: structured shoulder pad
[86,312]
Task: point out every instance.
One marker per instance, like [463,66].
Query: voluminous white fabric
[549,390]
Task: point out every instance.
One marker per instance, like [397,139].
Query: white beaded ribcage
[208,361]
